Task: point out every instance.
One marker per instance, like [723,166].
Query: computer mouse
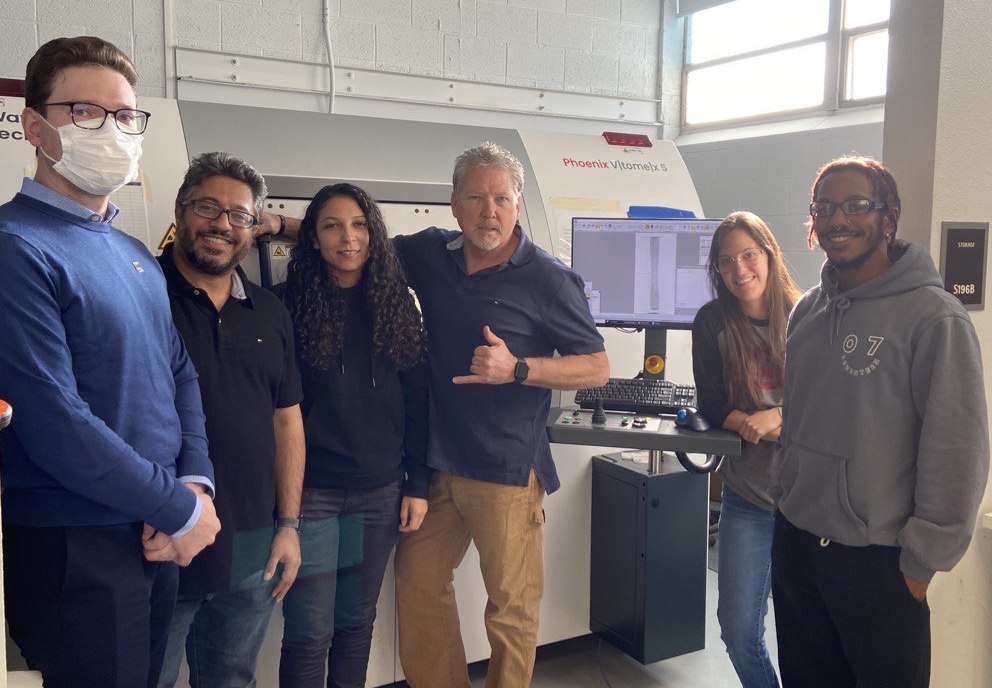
[691,418]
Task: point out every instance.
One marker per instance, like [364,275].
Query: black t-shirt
[245,358]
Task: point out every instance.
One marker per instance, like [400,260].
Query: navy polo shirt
[533,302]
[246,360]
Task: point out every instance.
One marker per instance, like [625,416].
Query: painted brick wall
[135,27]
[605,47]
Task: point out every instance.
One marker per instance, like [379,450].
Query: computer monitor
[643,272]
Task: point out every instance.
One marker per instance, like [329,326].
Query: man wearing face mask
[109,445]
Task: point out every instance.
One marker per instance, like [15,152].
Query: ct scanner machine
[407,166]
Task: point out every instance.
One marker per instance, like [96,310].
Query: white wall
[135,27]
[587,46]
[939,141]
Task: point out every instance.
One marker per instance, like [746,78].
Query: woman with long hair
[361,347]
[738,356]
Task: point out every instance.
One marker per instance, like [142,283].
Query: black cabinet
[648,563]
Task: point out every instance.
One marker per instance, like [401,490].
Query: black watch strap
[521,370]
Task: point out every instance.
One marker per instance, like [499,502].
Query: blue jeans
[744,582]
[222,634]
[346,541]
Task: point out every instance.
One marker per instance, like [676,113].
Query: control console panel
[615,420]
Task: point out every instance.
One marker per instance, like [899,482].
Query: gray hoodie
[886,431]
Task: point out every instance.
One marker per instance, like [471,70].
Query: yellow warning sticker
[279,251]
[169,237]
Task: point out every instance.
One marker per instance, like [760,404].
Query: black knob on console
[598,414]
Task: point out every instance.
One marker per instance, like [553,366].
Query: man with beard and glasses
[240,339]
[886,445]
[108,440]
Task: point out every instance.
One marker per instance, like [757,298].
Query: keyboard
[641,396]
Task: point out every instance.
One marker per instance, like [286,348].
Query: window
[866,43]
[748,59]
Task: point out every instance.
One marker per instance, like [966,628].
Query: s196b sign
[963,260]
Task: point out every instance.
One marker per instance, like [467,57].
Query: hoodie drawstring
[372,361]
[837,307]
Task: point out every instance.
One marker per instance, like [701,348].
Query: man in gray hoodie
[886,445]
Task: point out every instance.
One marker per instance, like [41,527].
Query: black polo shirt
[246,361]
[533,302]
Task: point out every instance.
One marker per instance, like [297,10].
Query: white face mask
[98,161]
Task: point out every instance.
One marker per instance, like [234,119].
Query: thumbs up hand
[492,363]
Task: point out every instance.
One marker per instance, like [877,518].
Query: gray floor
[588,662]
[582,662]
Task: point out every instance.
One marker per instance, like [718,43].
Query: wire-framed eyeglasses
[211,211]
[748,258]
[849,206]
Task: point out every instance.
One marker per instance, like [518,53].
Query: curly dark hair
[316,302]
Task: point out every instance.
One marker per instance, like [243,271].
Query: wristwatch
[521,370]
[294,523]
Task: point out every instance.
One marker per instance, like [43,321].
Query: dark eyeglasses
[748,258]
[850,206]
[211,211]
[90,116]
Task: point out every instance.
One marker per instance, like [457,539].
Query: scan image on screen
[641,272]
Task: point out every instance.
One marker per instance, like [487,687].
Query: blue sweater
[107,409]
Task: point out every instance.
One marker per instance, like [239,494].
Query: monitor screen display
[642,272]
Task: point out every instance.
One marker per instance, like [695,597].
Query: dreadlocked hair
[316,301]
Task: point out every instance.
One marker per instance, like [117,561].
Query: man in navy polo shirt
[496,309]
[240,338]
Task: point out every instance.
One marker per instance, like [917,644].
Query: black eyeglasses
[211,211]
[850,206]
[90,116]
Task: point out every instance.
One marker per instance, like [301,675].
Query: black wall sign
[963,260]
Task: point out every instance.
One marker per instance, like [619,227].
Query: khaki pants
[507,525]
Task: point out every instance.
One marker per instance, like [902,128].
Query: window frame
[837,42]
[847,38]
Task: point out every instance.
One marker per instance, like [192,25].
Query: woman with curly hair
[361,345]
[738,357]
